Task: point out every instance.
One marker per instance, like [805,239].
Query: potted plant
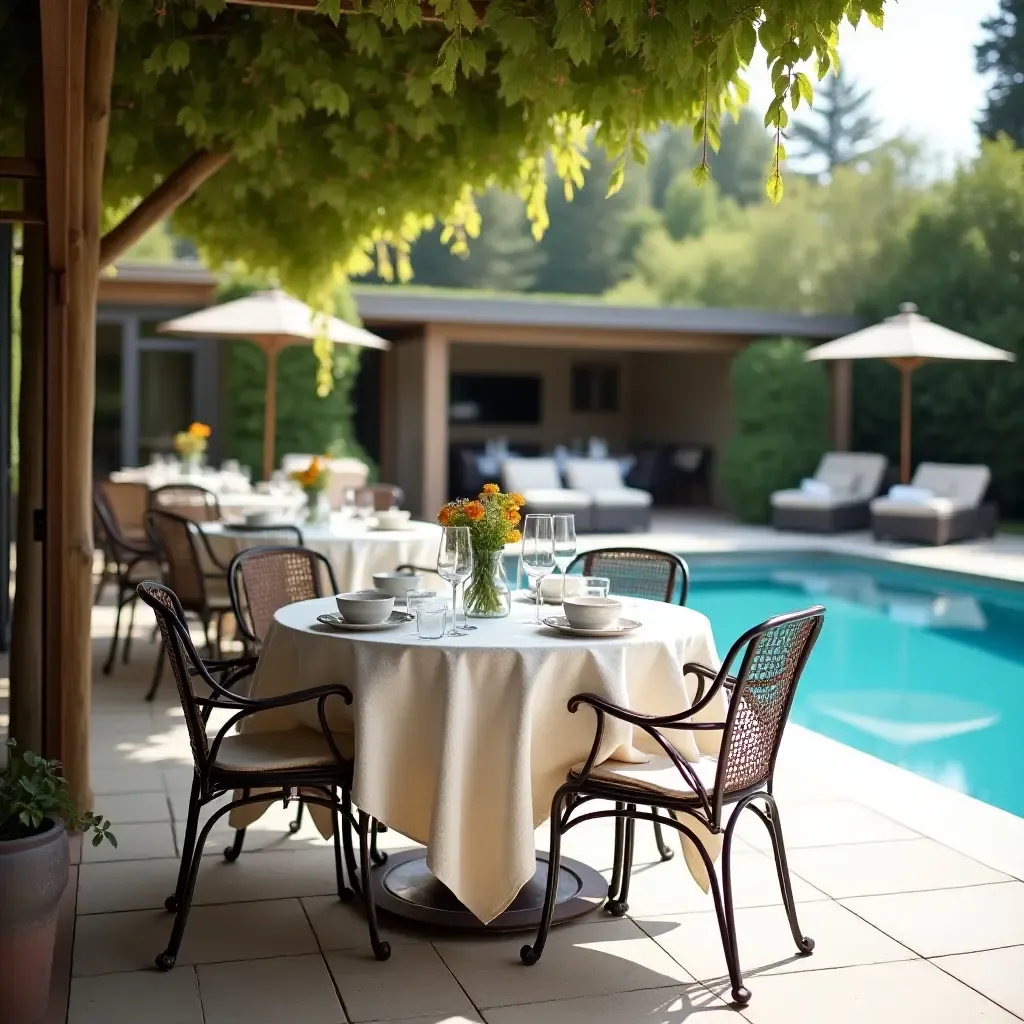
[191,445]
[36,813]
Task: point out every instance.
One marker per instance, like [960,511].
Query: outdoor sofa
[837,498]
[943,503]
[538,481]
[616,507]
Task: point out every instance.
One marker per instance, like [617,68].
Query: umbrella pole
[270,410]
[906,367]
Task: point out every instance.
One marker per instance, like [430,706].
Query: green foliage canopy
[781,420]
[1000,55]
[350,133]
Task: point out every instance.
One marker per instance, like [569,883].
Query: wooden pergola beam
[22,217]
[348,7]
[162,201]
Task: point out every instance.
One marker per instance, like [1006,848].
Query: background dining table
[355,551]
[461,743]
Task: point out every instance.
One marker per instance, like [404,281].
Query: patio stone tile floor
[906,927]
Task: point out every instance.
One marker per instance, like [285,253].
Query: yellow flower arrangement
[191,443]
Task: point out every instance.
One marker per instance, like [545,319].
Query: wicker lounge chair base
[832,519]
[918,529]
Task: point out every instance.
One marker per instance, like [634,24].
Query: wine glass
[538,550]
[565,544]
[455,564]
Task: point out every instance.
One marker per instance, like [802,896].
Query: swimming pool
[922,669]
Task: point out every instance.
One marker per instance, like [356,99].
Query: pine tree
[1001,54]
[840,131]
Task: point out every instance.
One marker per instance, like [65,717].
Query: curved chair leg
[104,580]
[187,847]
[346,840]
[157,673]
[664,850]
[296,823]
[377,856]
[344,892]
[531,954]
[620,835]
[804,943]
[381,949]
[231,853]
[618,906]
[108,665]
[126,648]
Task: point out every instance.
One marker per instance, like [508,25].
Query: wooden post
[270,346]
[435,422]
[842,405]
[906,413]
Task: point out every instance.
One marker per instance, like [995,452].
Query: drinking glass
[565,544]
[430,619]
[595,586]
[455,564]
[538,550]
[416,597]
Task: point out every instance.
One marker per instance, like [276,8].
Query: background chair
[646,573]
[315,761]
[188,500]
[838,500]
[185,551]
[384,496]
[616,507]
[538,481]
[772,657]
[126,560]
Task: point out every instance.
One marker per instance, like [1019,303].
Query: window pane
[166,399]
[106,442]
[608,389]
[581,389]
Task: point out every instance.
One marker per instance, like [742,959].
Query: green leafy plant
[781,413]
[32,790]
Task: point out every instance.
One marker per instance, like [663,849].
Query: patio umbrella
[907,340]
[273,320]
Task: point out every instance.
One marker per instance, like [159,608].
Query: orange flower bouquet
[313,481]
[493,520]
[191,444]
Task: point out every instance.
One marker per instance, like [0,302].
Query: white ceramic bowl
[592,612]
[259,518]
[365,607]
[397,584]
[393,518]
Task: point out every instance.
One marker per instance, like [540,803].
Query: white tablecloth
[461,743]
[354,551]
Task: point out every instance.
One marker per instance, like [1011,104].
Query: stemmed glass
[455,564]
[565,544]
[538,550]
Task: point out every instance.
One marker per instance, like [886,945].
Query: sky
[920,70]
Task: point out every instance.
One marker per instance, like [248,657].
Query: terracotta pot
[33,874]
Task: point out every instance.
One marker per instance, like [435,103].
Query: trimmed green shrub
[780,411]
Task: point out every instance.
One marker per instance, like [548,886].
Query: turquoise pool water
[922,669]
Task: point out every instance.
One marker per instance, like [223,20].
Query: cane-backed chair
[771,659]
[128,558]
[260,581]
[646,573]
[384,496]
[185,554]
[188,500]
[316,761]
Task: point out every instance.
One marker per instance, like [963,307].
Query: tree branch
[348,7]
[163,200]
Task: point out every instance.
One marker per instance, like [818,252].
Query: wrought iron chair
[184,551]
[318,763]
[188,500]
[772,658]
[278,533]
[640,572]
[127,560]
[260,581]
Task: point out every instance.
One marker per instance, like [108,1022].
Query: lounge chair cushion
[622,497]
[658,776]
[803,500]
[955,489]
[522,475]
[852,477]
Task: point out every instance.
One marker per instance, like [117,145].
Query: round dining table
[460,743]
[355,550]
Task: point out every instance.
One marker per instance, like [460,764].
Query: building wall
[559,425]
[683,398]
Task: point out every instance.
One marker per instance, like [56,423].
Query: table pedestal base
[405,888]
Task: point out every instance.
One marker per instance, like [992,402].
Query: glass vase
[192,464]
[318,510]
[487,592]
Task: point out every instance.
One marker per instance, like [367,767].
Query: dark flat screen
[489,399]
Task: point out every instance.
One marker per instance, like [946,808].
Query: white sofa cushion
[593,474]
[621,497]
[540,498]
[522,475]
